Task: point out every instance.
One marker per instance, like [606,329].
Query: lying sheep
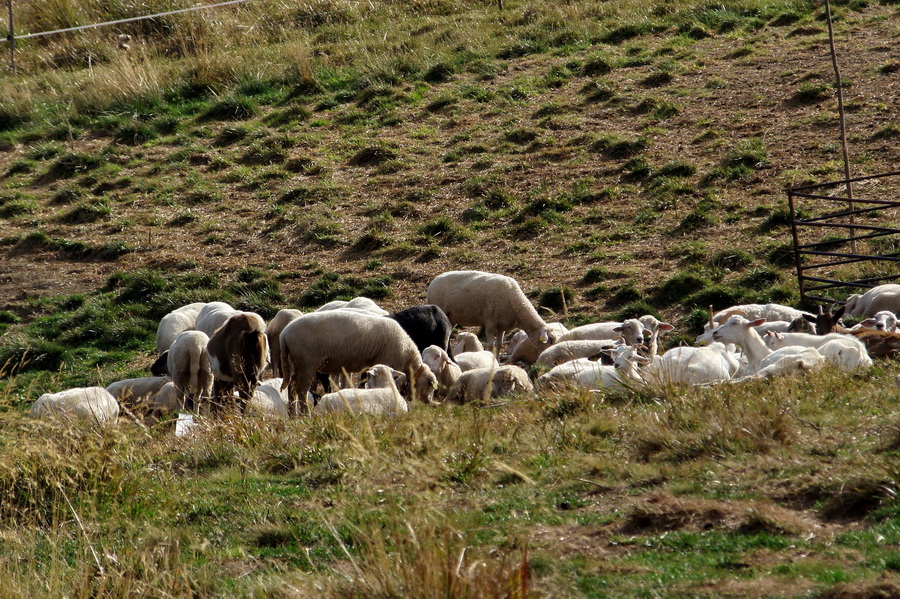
[588,374]
[485,383]
[174,323]
[655,326]
[335,341]
[268,398]
[134,393]
[88,404]
[844,351]
[882,297]
[761,360]
[707,365]
[443,367]
[566,351]
[632,330]
[525,352]
[884,320]
[473,360]
[189,366]
[475,298]
[380,397]
[238,352]
[468,342]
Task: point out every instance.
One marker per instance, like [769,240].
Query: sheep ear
[809,318]
[618,329]
[840,312]
[757,322]
[665,326]
[868,322]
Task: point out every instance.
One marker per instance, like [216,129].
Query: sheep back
[172,324]
[426,325]
[88,404]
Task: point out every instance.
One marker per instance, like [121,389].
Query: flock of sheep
[213,357]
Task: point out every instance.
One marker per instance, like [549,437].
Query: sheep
[473,360]
[882,297]
[879,344]
[707,365]
[358,303]
[380,397]
[475,298]
[882,321]
[780,326]
[268,398]
[273,331]
[762,361]
[632,330]
[443,367]
[525,352]
[843,350]
[173,323]
[468,342]
[566,351]
[514,342]
[484,383]
[768,312]
[167,400]
[189,366]
[132,393]
[89,404]
[588,374]
[335,341]
[212,316]
[655,326]
[238,353]
[426,325]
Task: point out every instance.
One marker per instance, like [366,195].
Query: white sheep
[475,298]
[485,383]
[188,364]
[473,360]
[566,351]
[273,331]
[767,312]
[88,404]
[589,374]
[526,352]
[469,342]
[761,360]
[842,350]
[779,326]
[335,341]
[357,303]
[176,321]
[632,330]
[443,367]
[134,392]
[655,326]
[380,396]
[212,316]
[705,365]
[884,320]
[268,398]
[882,297]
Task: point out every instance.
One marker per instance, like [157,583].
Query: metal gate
[843,244]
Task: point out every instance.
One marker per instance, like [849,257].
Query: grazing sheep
[335,341]
[473,360]
[762,361]
[525,352]
[131,393]
[426,325]
[89,404]
[273,331]
[566,351]
[380,397]
[469,342]
[882,297]
[189,366]
[443,367]
[357,303]
[212,316]
[172,324]
[475,298]
[707,365]
[238,353]
[632,330]
[485,383]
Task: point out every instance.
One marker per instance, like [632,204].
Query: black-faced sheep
[475,298]
[88,404]
[238,353]
[338,341]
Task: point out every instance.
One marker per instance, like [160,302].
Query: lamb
[212,316]
[655,326]
[88,404]
[707,365]
[443,367]
[273,331]
[882,297]
[357,303]
[132,393]
[843,350]
[485,383]
[762,361]
[767,312]
[190,369]
[526,352]
[380,397]
[473,360]
[426,325]
[780,326]
[588,374]
[882,321]
[632,330]
[335,341]
[238,353]
[566,351]
[172,324]
[475,298]
[468,342]
[268,398]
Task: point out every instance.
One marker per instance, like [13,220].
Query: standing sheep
[475,298]
[212,316]
[189,366]
[336,341]
[426,325]
[174,323]
[238,353]
[273,332]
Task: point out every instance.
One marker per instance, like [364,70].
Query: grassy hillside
[615,157]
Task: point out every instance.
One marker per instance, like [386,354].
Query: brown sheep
[238,353]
